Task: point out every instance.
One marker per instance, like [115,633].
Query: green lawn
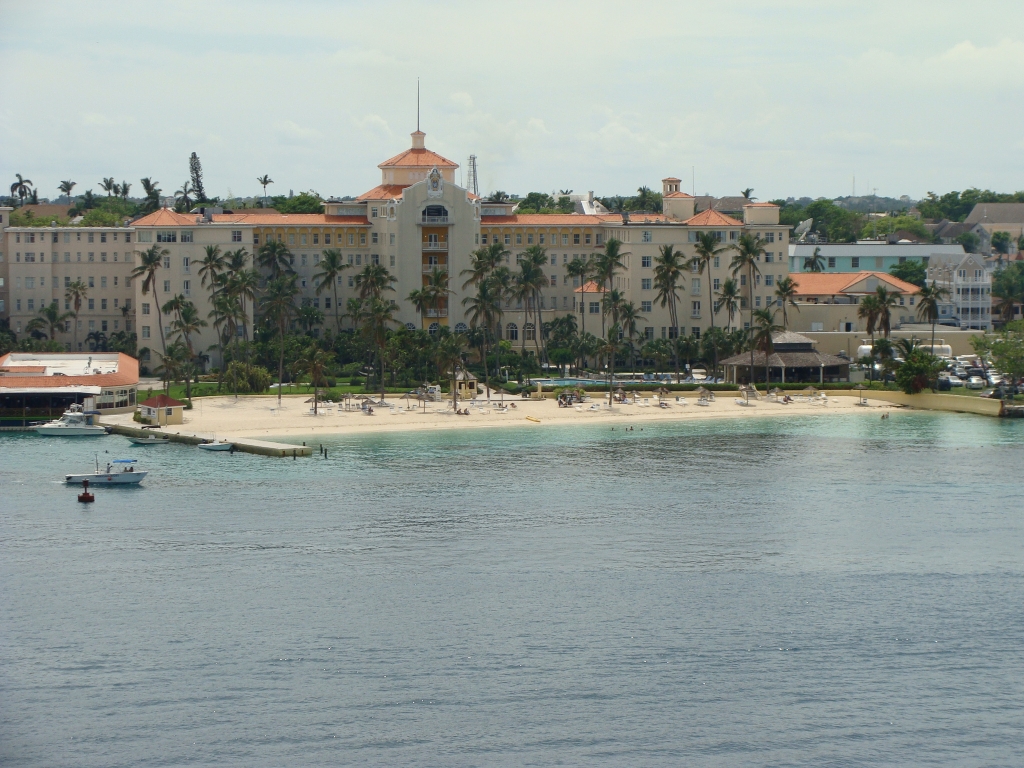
[208,389]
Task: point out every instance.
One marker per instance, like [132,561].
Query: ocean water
[809,591]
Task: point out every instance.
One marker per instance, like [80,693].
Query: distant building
[162,410]
[830,301]
[793,359]
[867,255]
[969,303]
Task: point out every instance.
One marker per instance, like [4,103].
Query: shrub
[247,379]
[917,371]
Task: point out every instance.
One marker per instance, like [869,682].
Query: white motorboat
[118,472]
[216,445]
[74,423]
[150,440]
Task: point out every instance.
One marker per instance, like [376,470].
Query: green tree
[314,363]
[970,241]
[707,252]
[728,299]
[448,356]
[917,371]
[764,329]
[911,271]
[278,306]
[50,320]
[373,281]
[887,302]
[785,292]
[1008,288]
[66,187]
[275,257]
[928,300]
[264,181]
[22,188]
[332,264]
[815,262]
[608,262]
[76,294]
[150,262]
[749,250]
[581,270]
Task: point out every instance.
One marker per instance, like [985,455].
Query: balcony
[435,246]
[429,268]
[436,313]
[434,219]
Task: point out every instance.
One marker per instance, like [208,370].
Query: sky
[789,98]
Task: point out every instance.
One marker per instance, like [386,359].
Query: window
[373,213]
[586,239]
[186,265]
[716,283]
[145,331]
[186,236]
[103,281]
[646,236]
[67,256]
[694,309]
[508,239]
[718,261]
[167,262]
[512,332]
[695,286]
[92,281]
[757,301]
[646,306]
[529,238]
[519,238]
[855,262]
[903,259]
[483,239]
[645,261]
[831,262]
[595,308]
[645,284]
[392,258]
[327,238]
[743,280]
[554,280]
[186,287]
[769,257]
[145,307]
[576,239]
[67,281]
[362,238]
[92,303]
[769,280]
[103,325]
[167,286]
[144,237]
[695,332]
[255,239]
[92,256]
[351,239]
[92,238]
[541,236]
[291,239]
[351,281]
[649,333]
[161,237]
[373,238]
[30,282]
[529,332]
[127,237]
[303,258]
[769,237]
[565,240]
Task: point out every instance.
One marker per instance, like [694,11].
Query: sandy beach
[260,417]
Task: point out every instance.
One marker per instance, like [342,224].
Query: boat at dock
[150,440]
[216,445]
[76,422]
[118,472]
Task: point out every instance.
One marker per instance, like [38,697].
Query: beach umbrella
[861,388]
[810,391]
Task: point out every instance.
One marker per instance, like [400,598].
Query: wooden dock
[243,444]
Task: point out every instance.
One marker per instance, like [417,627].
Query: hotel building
[416,219]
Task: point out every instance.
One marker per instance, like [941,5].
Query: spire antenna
[417,103]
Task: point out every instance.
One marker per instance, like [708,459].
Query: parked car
[975,382]
[956,381]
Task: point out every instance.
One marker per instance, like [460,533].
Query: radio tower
[471,176]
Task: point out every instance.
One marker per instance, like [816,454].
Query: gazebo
[465,384]
[793,359]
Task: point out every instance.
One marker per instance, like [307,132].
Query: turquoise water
[809,591]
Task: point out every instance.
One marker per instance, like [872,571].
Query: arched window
[435,214]
[461,328]
[529,332]
[433,328]
[410,327]
[512,332]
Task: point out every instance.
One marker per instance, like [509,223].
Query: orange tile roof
[543,219]
[835,283]
[671,178]
[165,217]
[127,375]
[287,219]
[590,287]
[711,218]
[635,217]
[383,192]
[418,158]
[677,194]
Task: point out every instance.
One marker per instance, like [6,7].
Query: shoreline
[260,418]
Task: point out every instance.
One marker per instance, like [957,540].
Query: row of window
[316,239]
[30,304]
[30,237]
[542,238]
[30,258]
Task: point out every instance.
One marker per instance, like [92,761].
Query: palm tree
[764,329]
[50,318]
[278,305]
[315,363]
[187,323]
[264,181]
[66,187]
[76,294]
[668,268]
[785,290]
[437,289]
[22,188]
[152,194]
[150,262]
[748,193]
[868,310]
[482,262]
[887,301]
[581,270]
[448,355]
[728,299]
[533,282]
[484,312]
[606,265]
[107,185]
[309,317]
[928,299]
[815,262]
[184,196]
[629,316]
[707,251]
[644,198]
[332,264]
[749,250]
[174,363]
[275,257]
[609,347]
[97,341]
[373,280]
[210,268]
[244,285]
[125,186]
[377,316]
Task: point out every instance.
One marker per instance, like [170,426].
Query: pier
[243,444]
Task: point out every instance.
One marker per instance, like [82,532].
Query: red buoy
[85,497]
